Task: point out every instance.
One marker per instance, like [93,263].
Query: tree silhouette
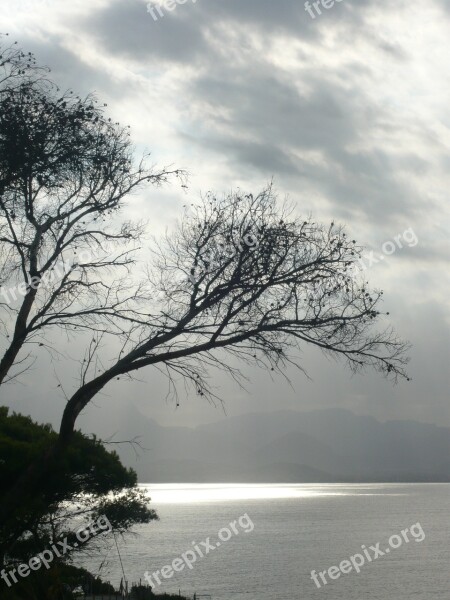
[17,66]
[90,483]
[65,170]
[231,284]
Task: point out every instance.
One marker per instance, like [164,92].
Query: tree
[287,283]
[255,303]
[65,170]
[17,66]
[17,69]
[88,484]
[241,277]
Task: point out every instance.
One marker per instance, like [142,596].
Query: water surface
[297,528]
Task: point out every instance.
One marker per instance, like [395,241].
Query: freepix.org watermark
[211,258]
[56,273]
[314,8]
[45,558]
[357,561]
[200,550]
[160,8]
[407,238]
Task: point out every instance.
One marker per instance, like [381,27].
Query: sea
[263,542]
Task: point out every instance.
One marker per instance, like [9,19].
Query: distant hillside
[190,471]
[321,446]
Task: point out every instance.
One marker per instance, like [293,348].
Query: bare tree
[65,170]
[241,280]
[251,299]
[17,66]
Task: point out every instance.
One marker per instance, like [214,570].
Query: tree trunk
[20,334]
[28,482]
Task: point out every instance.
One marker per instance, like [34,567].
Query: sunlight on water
[174,493]
[297,528]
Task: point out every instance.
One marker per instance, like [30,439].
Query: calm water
[297,528]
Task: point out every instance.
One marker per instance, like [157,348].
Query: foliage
[17,66]
[56,583]
[65,170]
[141,592]
[87,483]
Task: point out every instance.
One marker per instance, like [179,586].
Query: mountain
[295,446]
[191,471]
[287,446]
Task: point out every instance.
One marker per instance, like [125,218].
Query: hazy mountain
[294,447]
[287,446]
[191,471]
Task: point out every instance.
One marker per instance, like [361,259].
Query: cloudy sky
[347,112]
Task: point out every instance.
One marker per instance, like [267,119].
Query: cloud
[347,111]
[127,29]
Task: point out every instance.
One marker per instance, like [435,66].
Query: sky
[346,112]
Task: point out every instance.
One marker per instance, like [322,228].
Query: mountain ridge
[329,445]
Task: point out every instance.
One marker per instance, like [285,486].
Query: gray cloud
[259,89]
[68,70]
[184,34]
[271,119]
[127,28]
